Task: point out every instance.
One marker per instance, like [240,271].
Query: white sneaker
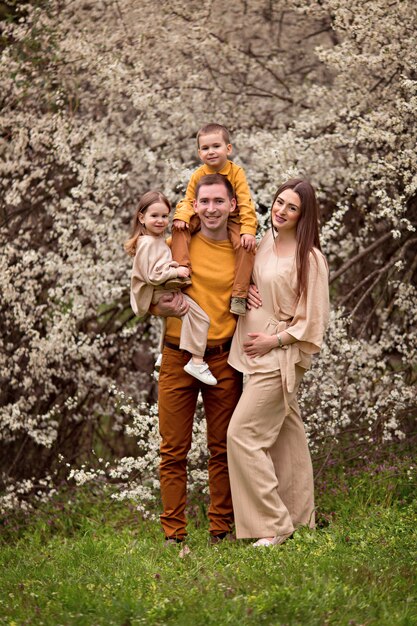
[201,372]
[157,367]
[158,362]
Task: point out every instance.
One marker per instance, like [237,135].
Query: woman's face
[286,211]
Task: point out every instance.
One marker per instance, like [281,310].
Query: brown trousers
[270,468]
[178,392]
[243,259]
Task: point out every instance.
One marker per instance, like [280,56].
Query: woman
[270,467]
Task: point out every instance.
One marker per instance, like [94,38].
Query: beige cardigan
[152,266]
[305,319]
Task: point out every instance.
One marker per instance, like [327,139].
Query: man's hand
[170,305]
[180,224]
[248,242]
[254,299]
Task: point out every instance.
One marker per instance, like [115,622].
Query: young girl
[154,273]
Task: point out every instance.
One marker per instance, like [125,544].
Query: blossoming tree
[101,101]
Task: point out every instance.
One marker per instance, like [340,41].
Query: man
[212,259]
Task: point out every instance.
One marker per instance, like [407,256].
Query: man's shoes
[177,283]
[201,372]
[171,542]
[216,539]
[238,306]
[269,543]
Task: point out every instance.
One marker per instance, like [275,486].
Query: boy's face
[213,150]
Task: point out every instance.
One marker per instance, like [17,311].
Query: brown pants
[177,400]
[243,259]
[270,468]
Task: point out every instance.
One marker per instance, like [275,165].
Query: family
[231,309]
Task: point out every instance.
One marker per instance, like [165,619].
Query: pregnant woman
[270,467]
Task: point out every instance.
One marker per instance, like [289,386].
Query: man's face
[213,207]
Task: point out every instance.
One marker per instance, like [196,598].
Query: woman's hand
[254,299]
[259,344]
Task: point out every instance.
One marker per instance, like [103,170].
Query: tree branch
[359,256]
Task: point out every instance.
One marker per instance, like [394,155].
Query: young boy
[214,147]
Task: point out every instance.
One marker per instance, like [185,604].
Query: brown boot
[177,283]
[238,306]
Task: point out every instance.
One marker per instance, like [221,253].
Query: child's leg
[244,261]
[181,241]
[155,299]
[162,335]
[194,331]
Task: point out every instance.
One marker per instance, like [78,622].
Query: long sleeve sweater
[152,266]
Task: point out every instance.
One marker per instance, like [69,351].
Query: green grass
[86,561]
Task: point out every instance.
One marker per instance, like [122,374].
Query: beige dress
[269,461]
[152,267]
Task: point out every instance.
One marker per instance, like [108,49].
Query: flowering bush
[101,101]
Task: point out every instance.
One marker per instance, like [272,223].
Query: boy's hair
[213,128]
[138,229]
[215,179]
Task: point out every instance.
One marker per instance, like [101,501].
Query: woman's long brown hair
[307,227]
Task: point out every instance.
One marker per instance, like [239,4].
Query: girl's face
[155,219]
[286,211]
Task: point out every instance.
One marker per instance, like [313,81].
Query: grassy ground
[85,561]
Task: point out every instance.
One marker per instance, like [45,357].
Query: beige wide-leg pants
[271,474]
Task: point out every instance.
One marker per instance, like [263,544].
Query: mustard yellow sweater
[211,288]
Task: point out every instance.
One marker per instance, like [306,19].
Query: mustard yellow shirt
[244,214]
[213,275]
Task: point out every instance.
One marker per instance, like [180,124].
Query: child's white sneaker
[157,367]
[158,362]
[201,372]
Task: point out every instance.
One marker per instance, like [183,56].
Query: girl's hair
[307,233]
[138,229]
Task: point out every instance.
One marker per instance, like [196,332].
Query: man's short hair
[215,179]
[213,128]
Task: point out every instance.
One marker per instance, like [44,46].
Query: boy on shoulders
[214,148]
